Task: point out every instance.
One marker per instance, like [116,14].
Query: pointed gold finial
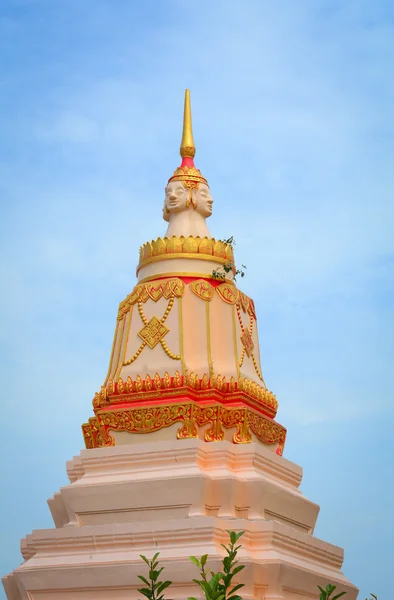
[187,145]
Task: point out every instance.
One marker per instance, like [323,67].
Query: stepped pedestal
[178,498]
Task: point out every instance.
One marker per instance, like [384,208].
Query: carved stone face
[204,200]
[175,199]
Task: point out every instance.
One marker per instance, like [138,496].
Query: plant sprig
[225,269]
[216,586]
[326,594]
[155,588]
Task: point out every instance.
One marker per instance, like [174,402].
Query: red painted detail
[187,161]
[187,280]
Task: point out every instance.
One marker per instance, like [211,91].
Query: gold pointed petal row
[202,387]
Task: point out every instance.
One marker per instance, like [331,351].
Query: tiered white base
[177,497]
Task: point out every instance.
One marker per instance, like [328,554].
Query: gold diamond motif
[247,342]
[153,332]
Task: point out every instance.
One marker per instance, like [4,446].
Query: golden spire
[187,145]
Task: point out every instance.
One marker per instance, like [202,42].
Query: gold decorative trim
[140,420]
[247,306]
[235,341]
[168,351]
[124,342]
[112,353]
[228,293]
[186,247]
[247,342]
[118,348]
[135,355]
[209,347]
[203,289]
[200,388]
[174,287]
[154,330]
[180,324]
[168,288]
[158,276]
[192,255]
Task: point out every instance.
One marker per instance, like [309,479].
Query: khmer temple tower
[182,444]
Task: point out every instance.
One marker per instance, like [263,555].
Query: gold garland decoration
[154,290]
[246,308]
[162,342]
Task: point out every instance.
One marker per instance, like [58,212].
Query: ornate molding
[174,287]
[216,386]
[191,416]
[153,290]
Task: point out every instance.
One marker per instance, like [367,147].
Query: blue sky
[293,122]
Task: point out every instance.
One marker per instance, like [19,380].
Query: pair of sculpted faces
[178,199]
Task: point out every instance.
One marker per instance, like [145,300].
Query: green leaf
[145,559]
[143,579]
[204,559]
[339,595]
[195,561]
[240,534]
[236,588]
[233,537]
[163,586]
[155,556]
[145,592]
[214,581]
[323,595]
[153,575]
[204,585]
[238,569]
[196,581]
[330,588]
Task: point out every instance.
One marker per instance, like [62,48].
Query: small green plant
[371,597]
[218,586]
[326,594]
[155,588]
[222,271]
